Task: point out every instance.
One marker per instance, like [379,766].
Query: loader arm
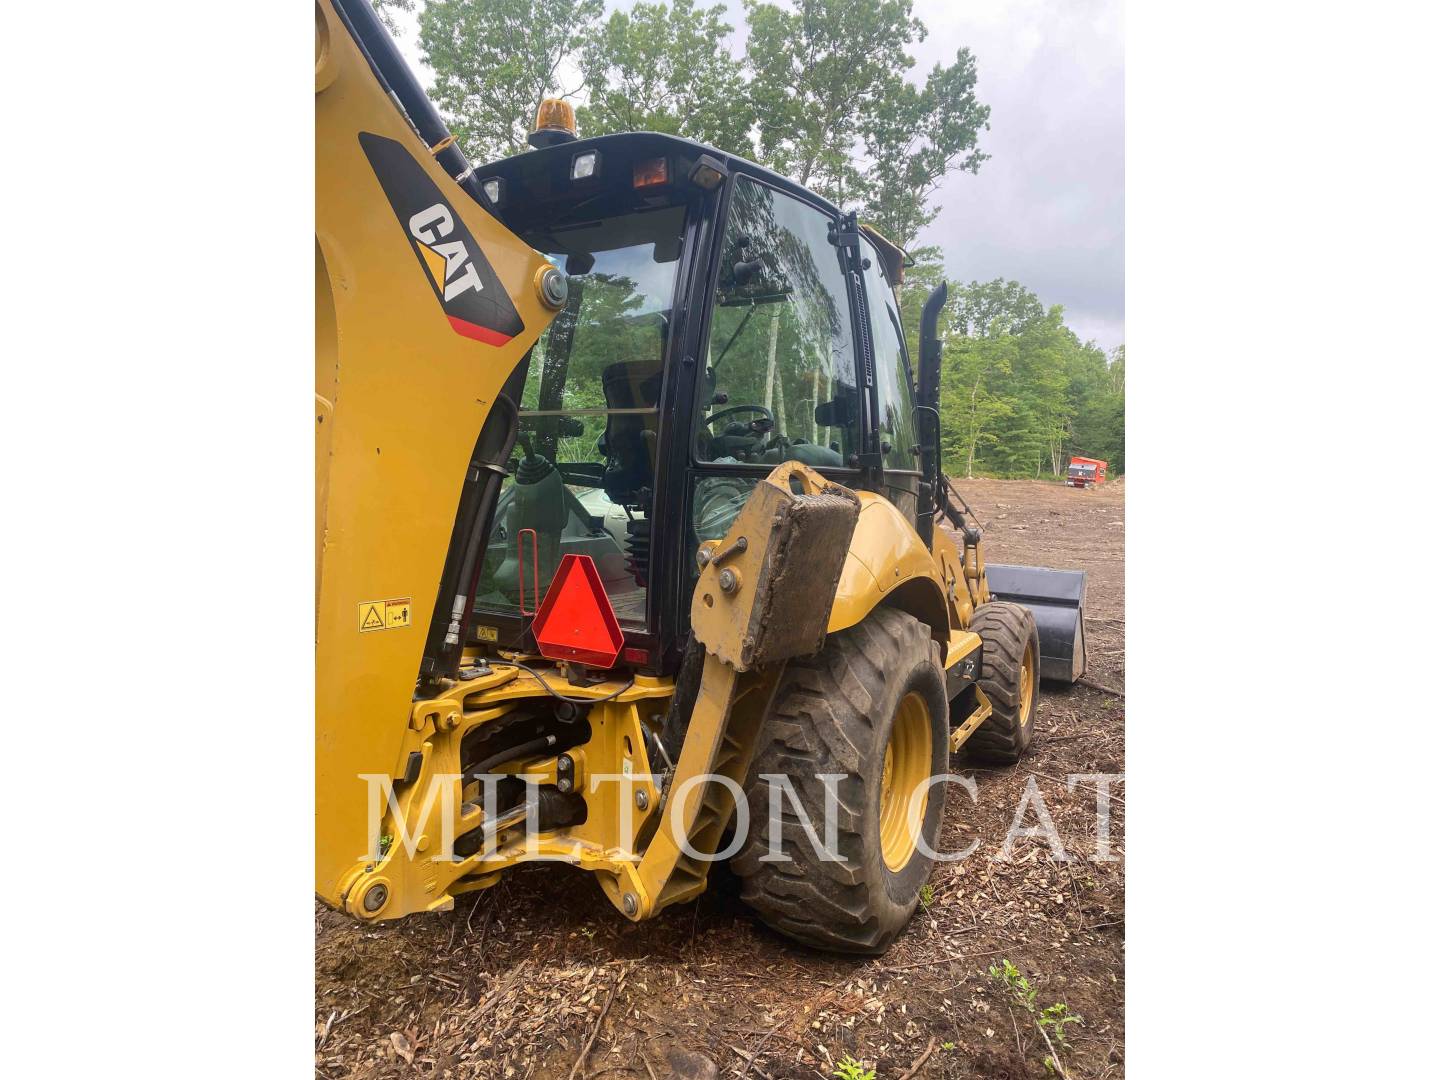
[425,305]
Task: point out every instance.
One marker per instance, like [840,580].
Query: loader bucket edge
[1057,599]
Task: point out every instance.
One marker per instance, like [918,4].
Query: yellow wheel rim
[1029,677]
[903,794]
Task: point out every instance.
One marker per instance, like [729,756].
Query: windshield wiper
[716,365]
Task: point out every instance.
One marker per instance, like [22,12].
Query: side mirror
[746,266]
[746,271]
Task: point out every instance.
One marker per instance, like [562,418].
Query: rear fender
[888,564]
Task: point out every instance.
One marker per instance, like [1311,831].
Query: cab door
[896,438]
[776,377]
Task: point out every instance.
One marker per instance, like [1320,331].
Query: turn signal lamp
[554,123]
[652,172]
[575,622]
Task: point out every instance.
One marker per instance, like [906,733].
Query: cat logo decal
[464,283]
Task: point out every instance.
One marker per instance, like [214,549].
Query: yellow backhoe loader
[626,542]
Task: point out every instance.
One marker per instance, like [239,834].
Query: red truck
[1085,472]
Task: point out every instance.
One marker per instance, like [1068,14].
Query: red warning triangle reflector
[575,621]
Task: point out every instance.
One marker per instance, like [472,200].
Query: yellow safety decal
[385,614]
[372,616]
[397,613]
[488,633]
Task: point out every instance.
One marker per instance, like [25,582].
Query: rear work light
[582,166]
[707,173]
[652,172]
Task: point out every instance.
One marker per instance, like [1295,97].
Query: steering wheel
[733,409]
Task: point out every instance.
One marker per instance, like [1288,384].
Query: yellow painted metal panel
[402,397]
[885,553]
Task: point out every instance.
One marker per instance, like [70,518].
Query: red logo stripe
[479,333]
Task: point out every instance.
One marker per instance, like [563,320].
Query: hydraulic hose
[395,75]
[504,757]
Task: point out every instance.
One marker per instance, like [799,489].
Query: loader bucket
[1057,598]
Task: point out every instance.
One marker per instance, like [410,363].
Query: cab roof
[543,175]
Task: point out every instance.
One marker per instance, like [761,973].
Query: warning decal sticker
[385,614]
[397,613]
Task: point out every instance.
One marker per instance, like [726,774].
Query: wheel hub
[1028,680]
[903,793]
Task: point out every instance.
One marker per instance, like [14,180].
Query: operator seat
[630,437]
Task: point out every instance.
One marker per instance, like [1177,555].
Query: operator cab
[583,478]
[710,333]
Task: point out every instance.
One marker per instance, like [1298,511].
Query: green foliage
[642,71]
[847,1068]
[828,76]
[495,61]
[1019,392]
[1052,1020]
[1055,1017]
[1009,976]
[921,279]
[818,70]
[821,93]
[914,137]
[927,896]
[386,9]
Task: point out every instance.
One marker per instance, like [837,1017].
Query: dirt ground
[517,979]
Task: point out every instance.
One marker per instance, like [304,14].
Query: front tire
[870,707]
[1010,677]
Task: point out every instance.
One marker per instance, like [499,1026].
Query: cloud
[1048,209]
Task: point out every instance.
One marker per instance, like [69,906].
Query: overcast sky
[1048,208]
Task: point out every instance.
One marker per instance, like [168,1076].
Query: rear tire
[835,713]
[1010,677]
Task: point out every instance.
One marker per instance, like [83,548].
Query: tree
[996,307]
[836,113]
[495,61]
[1099,387]
[386,8]
[914,138]
[1020,392]
[971,403]
[926,272]
[819,73]
[667,68]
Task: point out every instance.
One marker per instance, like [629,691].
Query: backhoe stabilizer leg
[753,609]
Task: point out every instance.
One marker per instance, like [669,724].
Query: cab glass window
[582,478]
[779,376]
[892,374]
